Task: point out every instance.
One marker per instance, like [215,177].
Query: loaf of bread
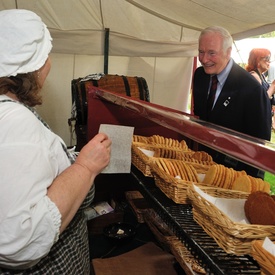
[260,208]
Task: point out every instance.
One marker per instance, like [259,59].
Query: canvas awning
[145,27]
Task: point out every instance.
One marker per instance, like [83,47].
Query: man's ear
[228,52]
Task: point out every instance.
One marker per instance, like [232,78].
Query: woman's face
[44,71]
[264,64]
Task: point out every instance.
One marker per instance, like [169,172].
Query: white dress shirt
[222,76]
[31,156]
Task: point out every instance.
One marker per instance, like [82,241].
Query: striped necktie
[212,93]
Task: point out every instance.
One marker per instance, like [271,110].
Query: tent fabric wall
[168,80]
[145,22]
[154,39]
[164,27]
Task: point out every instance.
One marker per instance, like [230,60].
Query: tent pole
[106,51]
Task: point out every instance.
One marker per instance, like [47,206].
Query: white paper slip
[269,246]
[121,137]
[233,208]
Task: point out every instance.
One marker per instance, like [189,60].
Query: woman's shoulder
[256,76]
[17,122]
[12,109]
[253,73]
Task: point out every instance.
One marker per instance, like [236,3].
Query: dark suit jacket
[248,109]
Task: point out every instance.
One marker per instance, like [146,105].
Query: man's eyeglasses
[266,58]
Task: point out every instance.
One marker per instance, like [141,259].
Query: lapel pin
[226,102]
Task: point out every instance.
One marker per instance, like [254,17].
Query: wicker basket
[232,237]
[160,230]
[143,161]
[172,244]
[265,259]
[187,261]
[174,188]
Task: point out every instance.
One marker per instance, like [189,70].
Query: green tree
[266,35]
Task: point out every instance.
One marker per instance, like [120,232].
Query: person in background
[239,102]
[44,189]
[258,65]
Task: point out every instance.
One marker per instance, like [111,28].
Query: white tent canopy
[145,27]
[155,39]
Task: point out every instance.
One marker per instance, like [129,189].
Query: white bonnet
[25,42]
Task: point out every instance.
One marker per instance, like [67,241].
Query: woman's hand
[95,155]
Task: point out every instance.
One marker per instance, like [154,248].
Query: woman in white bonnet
[43,189]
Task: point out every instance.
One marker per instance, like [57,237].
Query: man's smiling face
[211,53]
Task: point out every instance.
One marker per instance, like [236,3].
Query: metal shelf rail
[179,218]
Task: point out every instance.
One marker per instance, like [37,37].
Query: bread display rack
[233,237]
[151,119]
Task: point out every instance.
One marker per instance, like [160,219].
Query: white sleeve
[29,221]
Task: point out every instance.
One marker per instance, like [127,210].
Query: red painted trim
[150,119]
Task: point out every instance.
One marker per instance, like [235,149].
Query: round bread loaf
[260,208]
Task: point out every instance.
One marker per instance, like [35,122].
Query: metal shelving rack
[179,218]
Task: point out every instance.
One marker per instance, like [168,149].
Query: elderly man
[227,95]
